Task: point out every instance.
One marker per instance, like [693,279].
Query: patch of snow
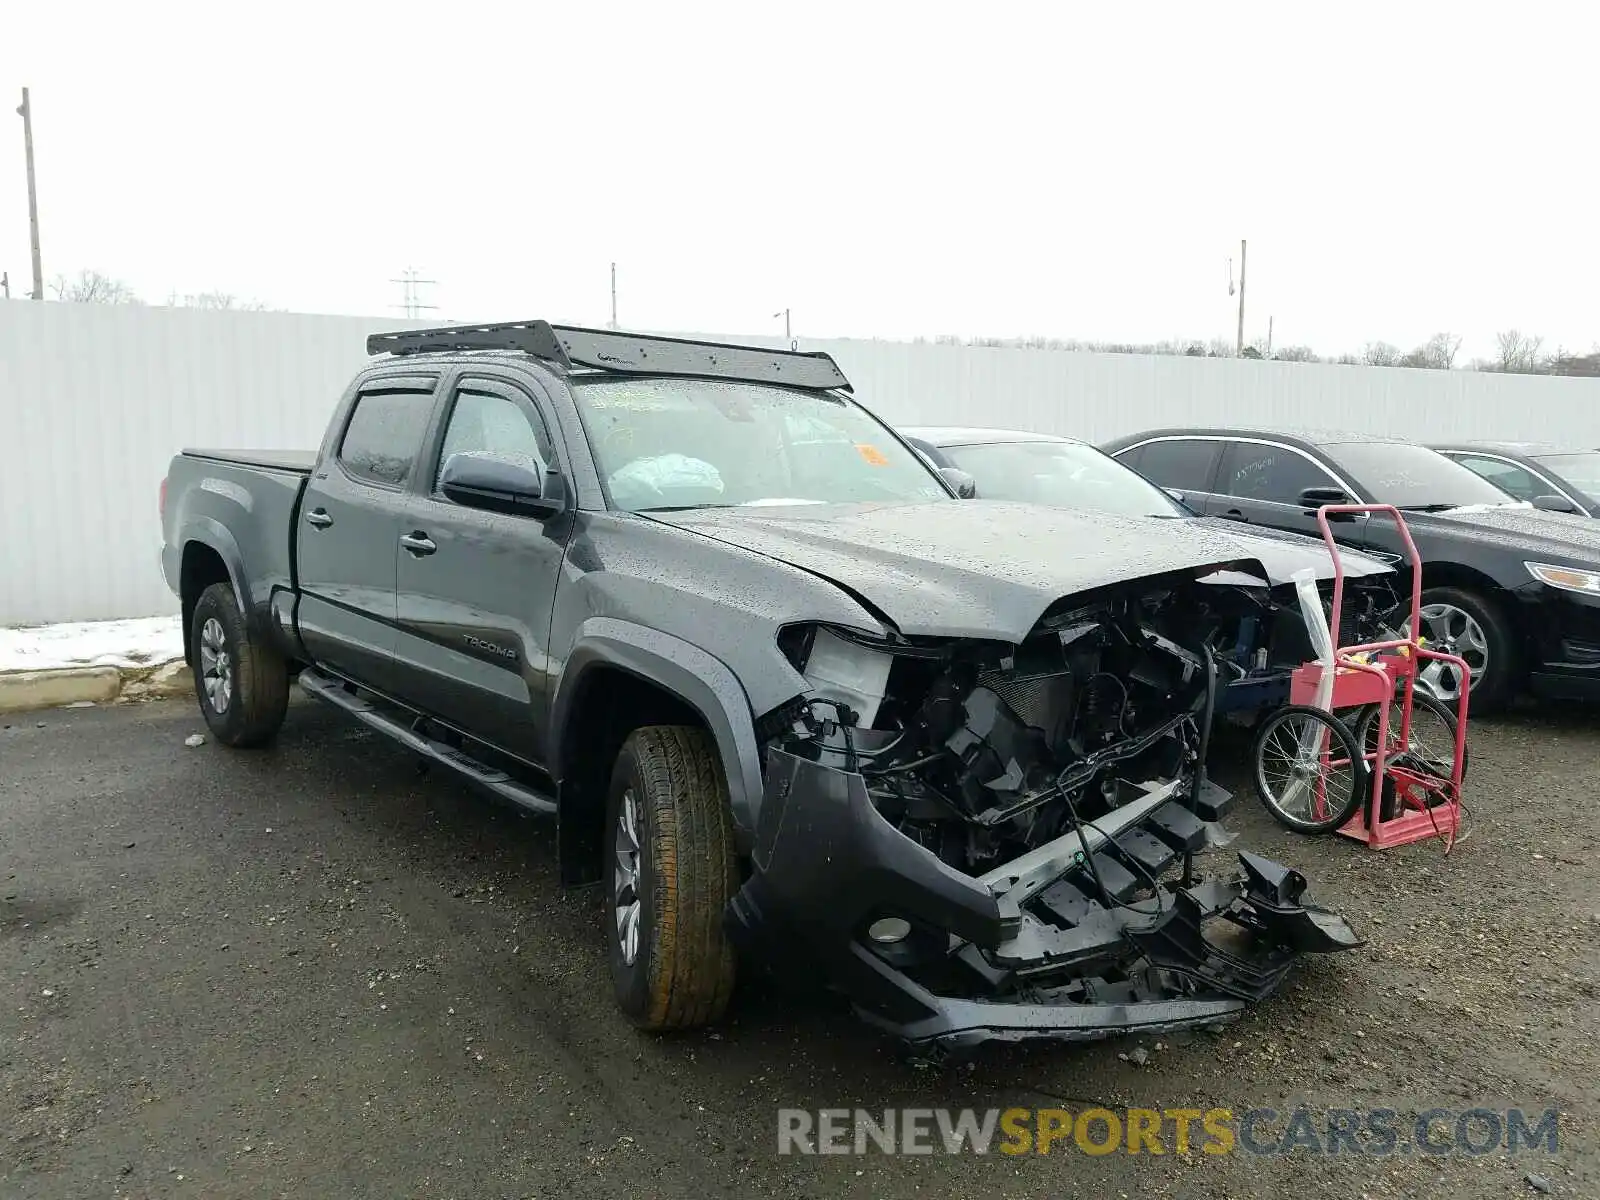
[141,642]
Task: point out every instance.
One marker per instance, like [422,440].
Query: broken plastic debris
[195,739]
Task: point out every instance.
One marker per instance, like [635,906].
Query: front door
[1260,484]
[475,589]
[347,539]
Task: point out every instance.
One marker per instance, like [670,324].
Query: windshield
[1063,474]
[695,443]
[1413,477]
[1582,470]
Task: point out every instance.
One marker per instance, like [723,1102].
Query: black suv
[1513,590]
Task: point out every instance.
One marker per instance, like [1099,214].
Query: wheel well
[201,567]
[1456,575]
[610,704]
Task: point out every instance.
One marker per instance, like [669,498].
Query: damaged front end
[979,840]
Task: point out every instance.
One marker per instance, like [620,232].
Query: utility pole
[25,111]
[1269,337]
[613,295]
[787,336]
[1238,349]
[411,302]
[5,284]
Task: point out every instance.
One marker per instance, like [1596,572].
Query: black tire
[1439,758]
[682,969]
[1501,679]
[250,710]
[1344,792]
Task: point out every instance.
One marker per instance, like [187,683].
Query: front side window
[694,443]
[481,422]
[1508,477]
[385,431]
[1273,473]
[1582,470]
[1061,474]
[1181,463]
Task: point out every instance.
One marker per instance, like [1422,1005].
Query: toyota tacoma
[790,699]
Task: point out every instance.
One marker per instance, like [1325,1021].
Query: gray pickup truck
[789,697]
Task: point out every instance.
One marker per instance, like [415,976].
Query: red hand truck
[1409,795]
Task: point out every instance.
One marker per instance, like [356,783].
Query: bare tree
[1518,352]
[92,287]
[1296,354]
[215,301]
[1438,353]
[1380,354]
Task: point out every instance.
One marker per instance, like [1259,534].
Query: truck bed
[299,462]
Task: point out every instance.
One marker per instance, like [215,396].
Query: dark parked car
[780,688]
[1044,468]
[1543,475]
[1512,590]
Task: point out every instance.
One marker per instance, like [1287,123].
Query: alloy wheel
[216,668]
[626,903]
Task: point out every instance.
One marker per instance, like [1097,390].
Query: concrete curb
[23,690]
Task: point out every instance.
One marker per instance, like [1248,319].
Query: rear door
[1181,464]
[475,589]
[347,540]
[1260,484]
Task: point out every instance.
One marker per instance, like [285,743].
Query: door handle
[1234,514]
[319,518]
[418,543]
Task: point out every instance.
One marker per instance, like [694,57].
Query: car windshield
[1063,474]
[663,443]
[1413,477]
[1582,470]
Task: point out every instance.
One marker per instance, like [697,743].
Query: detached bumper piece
[1054,945]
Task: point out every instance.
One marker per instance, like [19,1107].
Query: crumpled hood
[1283,553]
[1564,538]
[973,568]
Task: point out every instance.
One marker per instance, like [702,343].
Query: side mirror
[1315,497]
[498,483]
[965,485]
[1554,504]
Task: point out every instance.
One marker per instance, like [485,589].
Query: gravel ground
[312,971]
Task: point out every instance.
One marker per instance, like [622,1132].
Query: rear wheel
[242,684]
[1431,745]
[672,873]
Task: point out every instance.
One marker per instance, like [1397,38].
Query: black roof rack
[622,353]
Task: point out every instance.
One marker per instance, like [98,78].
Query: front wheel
[1308,772]
[1474,627]
[672,872]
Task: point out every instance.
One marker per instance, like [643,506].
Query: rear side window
[1508,477]
[384,434]
[1182,463]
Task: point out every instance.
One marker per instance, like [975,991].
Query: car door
[1186,465]
[474,588]
[1260,482]
[346,543]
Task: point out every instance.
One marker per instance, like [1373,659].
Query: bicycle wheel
[1432,744]
[1308,772]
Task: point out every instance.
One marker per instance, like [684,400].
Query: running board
[491,779]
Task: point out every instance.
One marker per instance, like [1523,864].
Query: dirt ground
[312,971]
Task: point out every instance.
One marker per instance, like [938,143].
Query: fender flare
[214,535]
[702,681]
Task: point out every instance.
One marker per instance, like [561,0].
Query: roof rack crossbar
[623,353]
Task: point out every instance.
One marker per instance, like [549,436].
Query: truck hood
[975,568]
[1564,538]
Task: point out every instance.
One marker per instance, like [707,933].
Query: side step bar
[491,779]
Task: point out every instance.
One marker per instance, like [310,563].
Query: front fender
[702,681]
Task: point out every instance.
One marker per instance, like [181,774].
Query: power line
[411,297]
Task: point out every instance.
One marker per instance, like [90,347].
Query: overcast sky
[888,169]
